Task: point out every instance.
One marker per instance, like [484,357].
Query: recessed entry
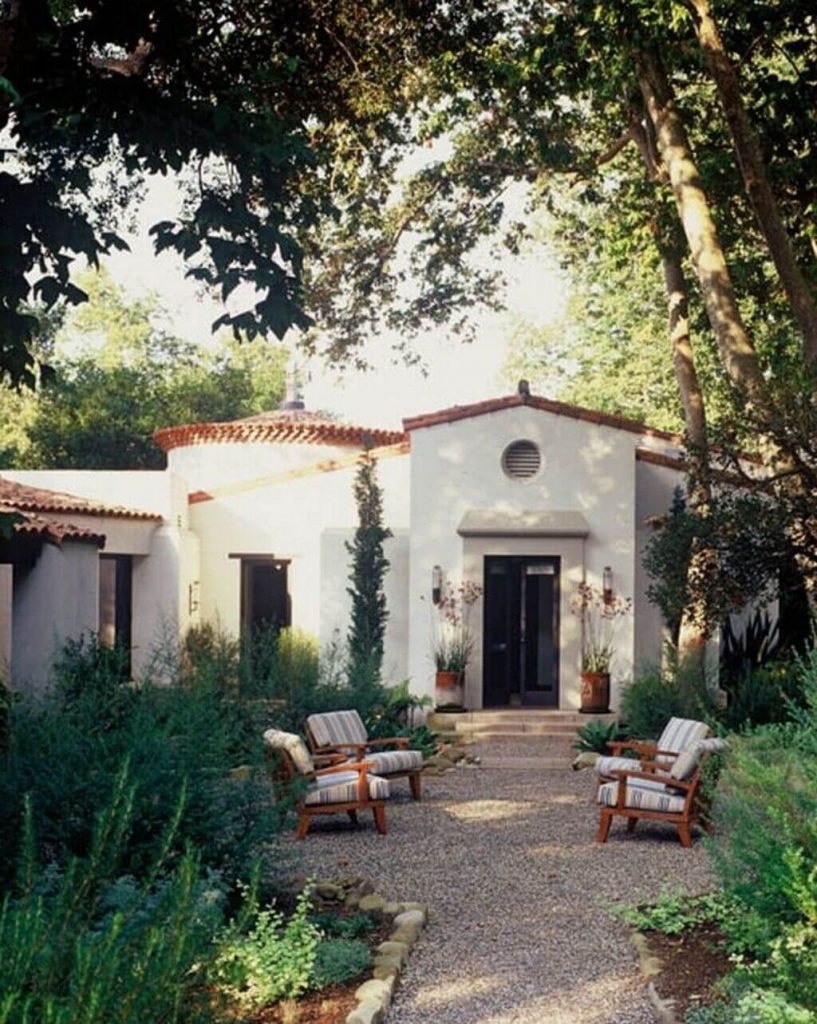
[521,460]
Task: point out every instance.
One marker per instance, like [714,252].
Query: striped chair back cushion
[334,728]
[678,734]
[294,746]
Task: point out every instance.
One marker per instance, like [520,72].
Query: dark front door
[520,658]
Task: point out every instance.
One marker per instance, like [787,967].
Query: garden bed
[691,964]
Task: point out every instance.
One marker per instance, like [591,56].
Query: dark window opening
[265,600]
[116,604]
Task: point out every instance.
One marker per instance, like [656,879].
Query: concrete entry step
[511,722]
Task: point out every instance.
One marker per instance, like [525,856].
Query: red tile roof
[463,412]
[284,426]
[36,499]
[49,529]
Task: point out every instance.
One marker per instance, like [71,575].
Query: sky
[456,373]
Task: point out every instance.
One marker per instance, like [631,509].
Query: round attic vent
[521,460]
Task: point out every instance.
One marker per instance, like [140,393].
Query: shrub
[340,960]
[84,945]
[596,736]
[648,702]
[763,695]
[274,960]
[344,927]
[66,749]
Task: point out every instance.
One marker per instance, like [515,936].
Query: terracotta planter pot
[595,693]
[449,690]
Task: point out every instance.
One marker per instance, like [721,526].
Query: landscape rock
[372,902]
[376,990]
[393,948]
[368,1012]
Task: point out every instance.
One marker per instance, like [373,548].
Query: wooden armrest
[331,747]
[330,758]
[346,766]
[400,741]
[642,746]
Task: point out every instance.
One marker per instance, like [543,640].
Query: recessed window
[521,460]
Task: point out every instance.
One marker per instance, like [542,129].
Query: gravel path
[518,891]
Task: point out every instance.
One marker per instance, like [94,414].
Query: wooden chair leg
[352,816]
[631,823]
[380,818]
[605,820]
[303,825]
[414,784]
[684,835]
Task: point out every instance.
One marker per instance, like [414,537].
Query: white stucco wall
[336,602]
[456,466]
[165,554]
[654,490]
[287,518]
[56,600]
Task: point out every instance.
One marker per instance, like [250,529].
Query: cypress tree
[367,573]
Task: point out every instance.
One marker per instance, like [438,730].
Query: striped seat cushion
[334,728]
[607,765]
[678,734]
[643,794]
[386,762]
[294,746]
[342,788]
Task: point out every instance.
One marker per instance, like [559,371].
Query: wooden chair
[655,793]
[343,785]
[344,732]
[679,734]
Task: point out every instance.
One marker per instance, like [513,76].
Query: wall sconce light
[607,585]
[436,584]
[193,597]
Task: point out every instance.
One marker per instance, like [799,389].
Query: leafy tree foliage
[119,375]
[368,571]
[265,109]
[749,556]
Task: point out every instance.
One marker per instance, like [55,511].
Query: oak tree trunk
[752,168]
[735,346]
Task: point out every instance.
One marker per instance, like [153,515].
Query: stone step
[512,721]
[541,728]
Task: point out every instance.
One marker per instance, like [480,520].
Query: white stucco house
[522,495]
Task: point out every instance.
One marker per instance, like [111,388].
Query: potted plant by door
[453,644]
[599,612]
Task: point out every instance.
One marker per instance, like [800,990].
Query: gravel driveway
[518,890]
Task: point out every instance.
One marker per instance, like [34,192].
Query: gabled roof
[284,426]
[23,498]
[576,412]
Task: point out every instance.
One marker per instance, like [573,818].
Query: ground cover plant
[764,851]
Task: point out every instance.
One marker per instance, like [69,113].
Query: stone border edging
[650,967]
[374,996]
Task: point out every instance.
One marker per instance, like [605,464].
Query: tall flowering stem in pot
[452,640]
[600,618]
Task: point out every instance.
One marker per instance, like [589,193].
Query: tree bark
[735,346]
[693,631]
[753,170]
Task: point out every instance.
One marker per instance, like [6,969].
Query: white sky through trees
[456,372]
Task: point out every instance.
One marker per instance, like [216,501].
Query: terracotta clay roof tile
[462,412]
[37,499]
[286,426]
[50,530]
